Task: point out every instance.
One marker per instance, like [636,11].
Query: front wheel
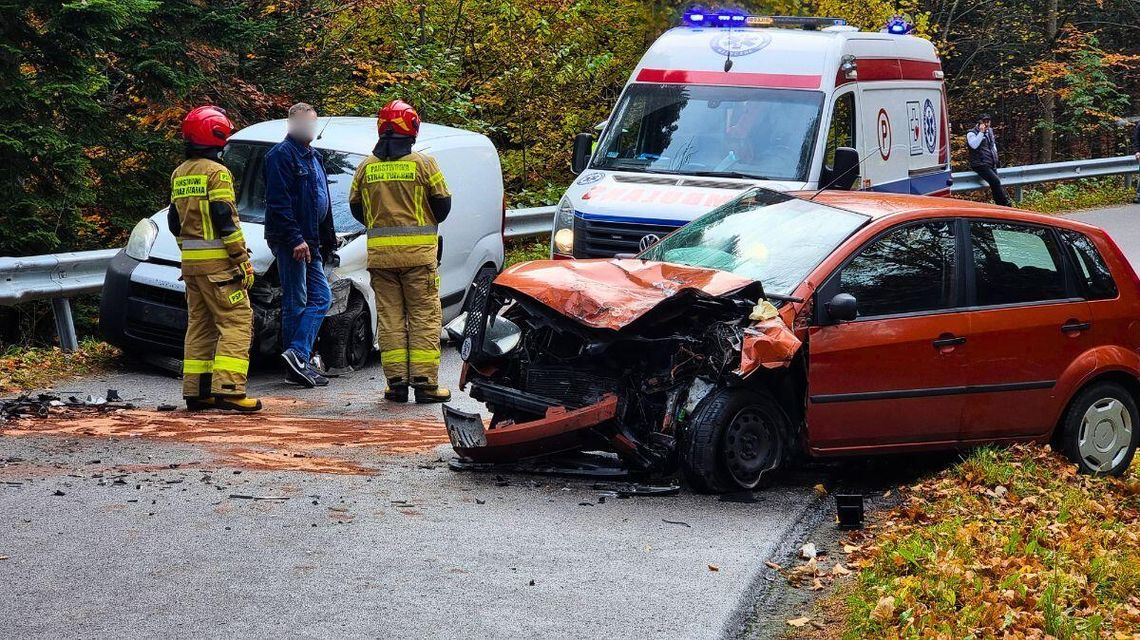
[1101,429]
[734,437]
[346,338]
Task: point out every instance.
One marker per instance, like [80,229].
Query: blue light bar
[898,25]
[730,18]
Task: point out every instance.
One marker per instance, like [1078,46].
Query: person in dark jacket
[1136,150]
[984,157]
[299,231]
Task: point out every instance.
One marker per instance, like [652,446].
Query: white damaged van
[731,101]
[143,308]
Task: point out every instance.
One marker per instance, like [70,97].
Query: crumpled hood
[612,293]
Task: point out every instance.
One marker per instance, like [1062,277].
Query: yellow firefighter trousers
[218,332]
[408,319]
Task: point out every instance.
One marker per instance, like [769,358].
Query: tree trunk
[1048,98]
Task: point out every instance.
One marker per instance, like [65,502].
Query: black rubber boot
[396,391]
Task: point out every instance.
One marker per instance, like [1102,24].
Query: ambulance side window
[841,131]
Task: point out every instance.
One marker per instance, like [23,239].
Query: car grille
[597,239]
[571,386]
[158,295]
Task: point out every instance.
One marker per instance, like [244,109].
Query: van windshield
[762,235]
[245,161]
[744,132]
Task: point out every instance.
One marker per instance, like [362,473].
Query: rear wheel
[346,338]
[734,437]
[1101,429]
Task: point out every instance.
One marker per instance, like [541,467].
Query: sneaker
[318,365]
[298,370]
[317,376]
[237,403]
[200,404]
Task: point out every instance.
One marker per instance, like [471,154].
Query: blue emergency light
[730,18]
[899,26]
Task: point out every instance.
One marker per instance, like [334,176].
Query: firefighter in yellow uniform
[215,267]
[400,197]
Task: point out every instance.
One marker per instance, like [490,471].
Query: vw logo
[648,241]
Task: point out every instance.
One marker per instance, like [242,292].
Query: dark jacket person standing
[299,231]
[984,157]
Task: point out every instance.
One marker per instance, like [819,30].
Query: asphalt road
[150,525]
[146,540]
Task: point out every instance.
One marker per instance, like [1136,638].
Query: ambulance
[730,101]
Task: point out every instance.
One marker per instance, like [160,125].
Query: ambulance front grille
[598,239]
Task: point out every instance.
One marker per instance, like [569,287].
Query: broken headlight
[142,239]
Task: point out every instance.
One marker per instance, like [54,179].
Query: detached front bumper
[560,430]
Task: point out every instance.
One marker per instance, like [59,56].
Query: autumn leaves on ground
[1008,543]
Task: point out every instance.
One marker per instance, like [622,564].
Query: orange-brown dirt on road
[258,441]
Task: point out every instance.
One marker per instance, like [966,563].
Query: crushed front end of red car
[607,355]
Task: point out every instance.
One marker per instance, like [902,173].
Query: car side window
[841,131]
[1015,263]
[1092,273]
[907,271]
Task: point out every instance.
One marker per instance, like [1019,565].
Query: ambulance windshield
[746,132]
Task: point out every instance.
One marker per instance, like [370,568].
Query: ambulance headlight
[142,239]
[562,240]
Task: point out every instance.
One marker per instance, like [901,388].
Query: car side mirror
[583,149]
[842,308]
[845,169]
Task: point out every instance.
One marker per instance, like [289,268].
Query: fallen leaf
[820,490]
[850,548]
[773,565]
[840,570]
[713,567]
[817,585]
[799,622]
[885,609]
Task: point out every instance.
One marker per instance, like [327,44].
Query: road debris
[242,496]
[713,567]
[808,551]
[683,524]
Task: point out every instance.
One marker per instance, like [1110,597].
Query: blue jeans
[305,298]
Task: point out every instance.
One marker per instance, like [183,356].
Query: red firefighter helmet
[398,117]
[207,127]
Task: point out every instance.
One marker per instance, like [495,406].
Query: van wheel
[1101,429]
[734,437]
[346,338]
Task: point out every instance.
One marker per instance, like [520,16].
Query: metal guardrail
[60,276]
[57,277]
[1018,177]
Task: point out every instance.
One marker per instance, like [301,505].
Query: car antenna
[836,179]
[324,127]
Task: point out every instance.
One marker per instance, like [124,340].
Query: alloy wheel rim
[1105,434]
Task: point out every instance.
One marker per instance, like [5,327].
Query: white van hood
[166,248]
[658,197]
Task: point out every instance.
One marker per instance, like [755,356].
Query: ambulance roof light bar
[730,18]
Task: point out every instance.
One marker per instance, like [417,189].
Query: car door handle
[1075,326]
[949,341]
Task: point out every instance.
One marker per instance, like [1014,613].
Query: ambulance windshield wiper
[728,174]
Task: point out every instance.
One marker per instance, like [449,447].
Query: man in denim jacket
[299,230]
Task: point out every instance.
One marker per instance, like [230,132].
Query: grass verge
[526,250]
[1008,543]
[25,368]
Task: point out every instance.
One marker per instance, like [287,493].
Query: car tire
[1101,429]
[733,439]
[346,338]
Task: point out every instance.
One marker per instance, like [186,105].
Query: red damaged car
[776,325]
